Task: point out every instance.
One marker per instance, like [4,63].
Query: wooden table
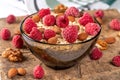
[87,69]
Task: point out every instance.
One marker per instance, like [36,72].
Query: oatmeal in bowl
[60,37]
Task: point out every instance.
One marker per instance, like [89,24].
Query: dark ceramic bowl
[58,56]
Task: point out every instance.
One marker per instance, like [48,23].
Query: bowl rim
[24,34]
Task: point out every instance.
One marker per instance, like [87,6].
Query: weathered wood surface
[87,69]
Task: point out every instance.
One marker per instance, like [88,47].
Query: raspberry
[72,11]
[62,21]
[49,33]
[96,54]
[35,34]
[49,20]
[70,33]
[42,12]
[11,19]
[116,61]
[86,18]
[115,24]
[5,33]
[92,28]
[99,13]
[38,72]
[28,25]
[17,41]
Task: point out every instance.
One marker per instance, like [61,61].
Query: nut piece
[36,18]
[99,20]
[102,44]
[17,31]
[21,71]
[52,40]
[118,34]
[12,72]
[71,18]
[110,40]
[42,30]
[59,14]
[56,29]
[7,53]
[13,55]
[82,36]
[60,8]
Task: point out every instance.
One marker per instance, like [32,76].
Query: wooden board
[87,69]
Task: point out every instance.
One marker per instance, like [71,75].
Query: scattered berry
[96,54]
[49,20]
[35,34]
[86,18]
[17,41]
[42,12]
[11,19]
[92,28]
[115,24]
[28,25]
[49,33]
[62,21]
[116,61]
[99,13]
[5,33]
[70,33]
[72,11]
[38,72]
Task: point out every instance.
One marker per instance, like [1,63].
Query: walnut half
[14,55]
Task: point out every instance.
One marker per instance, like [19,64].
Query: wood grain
[87,69]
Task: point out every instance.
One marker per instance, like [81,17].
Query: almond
[21,71]
[36,18]
[82,36]
[52,40]
[56,29]
[12,72]
[42,30]
[99,20]
[110,40]
[102,43]
[71,18]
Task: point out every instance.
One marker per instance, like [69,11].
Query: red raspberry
[49,20]
[38,72]
[35,34]
[42,12]
[70,33]
[116,61]
[86,18]
[5,33]
[11,19]
[62,21]
[115,24]
[96,54]
[92,28]
[99,13]
[49,33]
[72,11]
[17,41]
[28,25]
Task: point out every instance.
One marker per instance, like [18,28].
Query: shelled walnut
[14,55]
